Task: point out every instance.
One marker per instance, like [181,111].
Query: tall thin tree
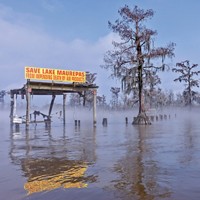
[188,74]
[131,59]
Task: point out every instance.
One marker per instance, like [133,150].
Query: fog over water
[117,161]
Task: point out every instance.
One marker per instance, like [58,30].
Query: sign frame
[57,75]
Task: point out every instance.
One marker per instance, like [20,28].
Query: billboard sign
[60,75]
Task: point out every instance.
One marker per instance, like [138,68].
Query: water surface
[119,161]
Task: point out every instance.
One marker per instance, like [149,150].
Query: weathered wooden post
[64,105]
[17,127]
[11,107]
[28,90]
[156,118]
[47,124]
[126,119]
[94,107]
[104,122]
[51,106]
[152,118]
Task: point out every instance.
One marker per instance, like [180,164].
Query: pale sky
[74,35]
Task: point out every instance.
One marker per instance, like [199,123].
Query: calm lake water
[126,162]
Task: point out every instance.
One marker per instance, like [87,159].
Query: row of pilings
[151,118]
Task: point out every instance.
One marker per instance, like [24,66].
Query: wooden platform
[49,88]
[53,89]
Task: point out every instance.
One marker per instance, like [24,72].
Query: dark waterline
[120,161]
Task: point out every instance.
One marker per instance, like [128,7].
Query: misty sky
[74,34]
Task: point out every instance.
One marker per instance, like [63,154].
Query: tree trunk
[142,117]
[140,87]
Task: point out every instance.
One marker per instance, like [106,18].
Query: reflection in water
[45,160]
[188,142]
[49,174]
[138,170]
[154,162]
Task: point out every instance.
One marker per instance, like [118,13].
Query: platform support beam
[94,107]
[64,106]
[11,108]
[51,106]
[28,98]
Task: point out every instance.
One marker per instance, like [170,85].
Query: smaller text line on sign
[60,75]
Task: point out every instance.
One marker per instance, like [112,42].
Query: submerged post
[64,105]
[94,107]
[105,122]
[126,119]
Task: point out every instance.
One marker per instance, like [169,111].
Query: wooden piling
[94,107]
[126,120]
[105,122]
[64,106]
[152,118]
[77,123]
[156,118]
[17,127]
[11,109]
[51,105]
[27,107]
[47,123]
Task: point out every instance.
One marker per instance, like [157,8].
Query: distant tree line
[122,101]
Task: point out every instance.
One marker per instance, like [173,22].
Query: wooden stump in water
[17,127]
[141,119]
[77,122]
[126,119]
[156,118]
[152,118]
[47,123]
[104,122]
